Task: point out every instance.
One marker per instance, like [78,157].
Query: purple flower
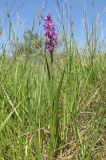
[50,34]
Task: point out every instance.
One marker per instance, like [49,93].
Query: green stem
[51,56]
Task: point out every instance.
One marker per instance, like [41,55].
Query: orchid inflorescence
[51,35]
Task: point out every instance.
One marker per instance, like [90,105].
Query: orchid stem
[51,56]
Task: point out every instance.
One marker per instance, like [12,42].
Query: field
[53,110]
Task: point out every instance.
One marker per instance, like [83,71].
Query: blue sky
[24,11]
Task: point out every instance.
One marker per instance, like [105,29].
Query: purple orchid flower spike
[50,35]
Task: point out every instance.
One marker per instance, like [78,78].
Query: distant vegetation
[32,44]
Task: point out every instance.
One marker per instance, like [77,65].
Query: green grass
[54,110]
[62,117]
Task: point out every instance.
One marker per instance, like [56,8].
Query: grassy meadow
[54,111]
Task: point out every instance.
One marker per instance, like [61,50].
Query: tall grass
[54,111]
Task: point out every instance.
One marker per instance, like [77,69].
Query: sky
[23,13]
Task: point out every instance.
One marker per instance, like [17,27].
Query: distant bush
[32,44]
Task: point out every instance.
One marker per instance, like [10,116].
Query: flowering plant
[50,34]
